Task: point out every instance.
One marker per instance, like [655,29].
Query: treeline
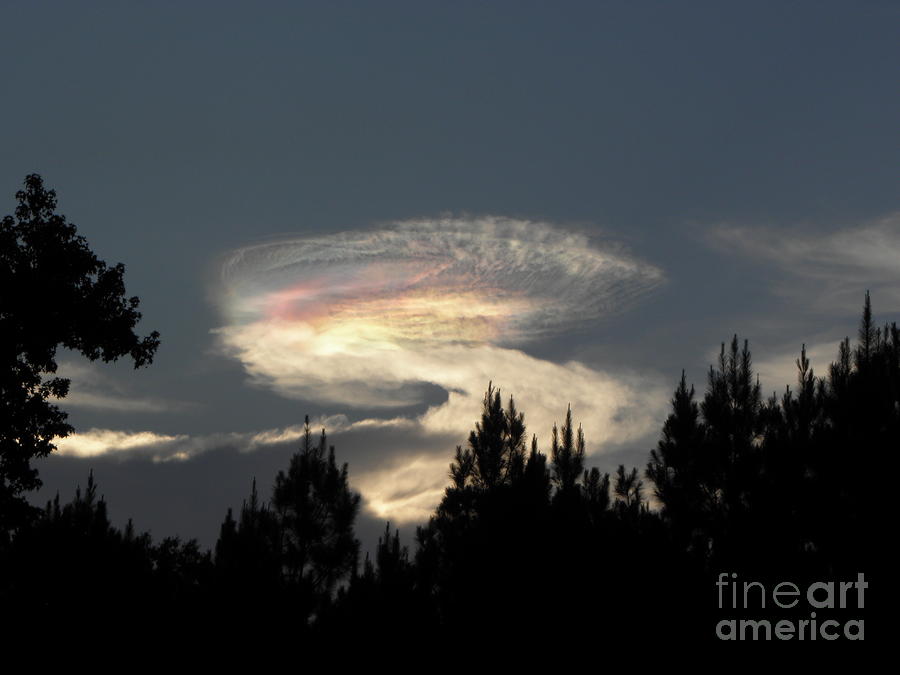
[524,544]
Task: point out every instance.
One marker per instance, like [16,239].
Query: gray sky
[670,173]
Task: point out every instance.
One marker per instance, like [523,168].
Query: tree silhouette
[628,490]
[385,600]
[567,456]
[247,558]
[72,562]
[53,292]
[315,509]
[712,472]
[681,485]
[495,454]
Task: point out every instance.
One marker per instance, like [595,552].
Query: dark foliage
[54,292]
[72,564]
[286,559]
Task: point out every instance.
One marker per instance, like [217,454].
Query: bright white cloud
[97,442]
[180,447]
[373,376]
[830,271]
[366,319]
[407,489]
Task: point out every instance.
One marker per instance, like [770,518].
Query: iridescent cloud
[364,319]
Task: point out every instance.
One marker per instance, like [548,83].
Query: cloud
[407,489]
[487,280]
[370,319]
[179,447]
[91,389]
[404,490]
[832,271]
[97,442]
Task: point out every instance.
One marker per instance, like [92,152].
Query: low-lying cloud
[98,442]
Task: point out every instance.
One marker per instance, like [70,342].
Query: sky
[366,212]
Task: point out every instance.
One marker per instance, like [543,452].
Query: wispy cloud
[403,487]
[98,442]
[832,271]
[491,280]
[367,319]
[179,447]
[92,389]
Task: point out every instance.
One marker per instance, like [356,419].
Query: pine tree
[628,490]
[671,466]
[316,511]
[495,454]
[867,335]
[567,456]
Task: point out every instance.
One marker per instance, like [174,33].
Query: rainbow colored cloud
[364,319]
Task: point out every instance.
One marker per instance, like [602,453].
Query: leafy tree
[54,292]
